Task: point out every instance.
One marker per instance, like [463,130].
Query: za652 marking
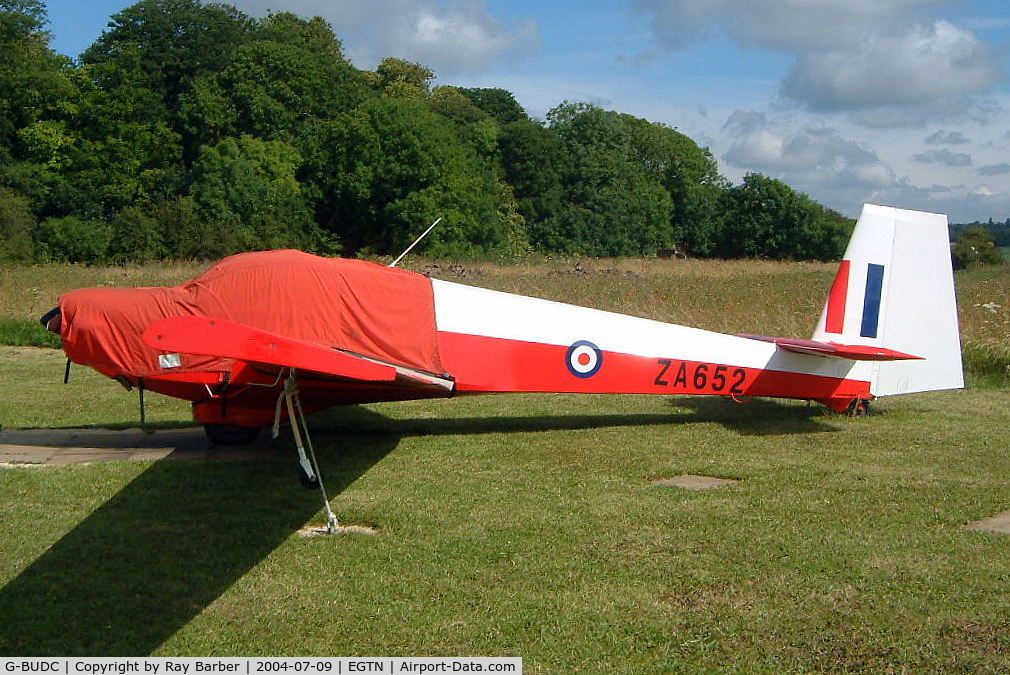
[699,377]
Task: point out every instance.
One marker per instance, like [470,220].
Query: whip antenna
[423,235]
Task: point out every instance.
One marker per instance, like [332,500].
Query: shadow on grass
[145,563]
[752,418]
[142,565]
[758,417]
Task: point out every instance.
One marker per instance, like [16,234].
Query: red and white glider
[348,331]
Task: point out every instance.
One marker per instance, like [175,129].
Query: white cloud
[829,164]
[790,25]
[924,64]
[459,36]
[810,156]
[885,63]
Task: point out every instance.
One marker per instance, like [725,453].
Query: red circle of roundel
[583,359]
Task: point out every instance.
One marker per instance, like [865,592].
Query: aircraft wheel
[859,408]
[307,483]
[230,434]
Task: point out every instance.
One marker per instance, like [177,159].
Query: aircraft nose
[52,320]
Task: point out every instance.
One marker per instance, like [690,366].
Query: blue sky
[897,102]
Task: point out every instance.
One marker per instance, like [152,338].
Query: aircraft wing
[818,348]
[220,337]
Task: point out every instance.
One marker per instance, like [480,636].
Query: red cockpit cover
[381,312]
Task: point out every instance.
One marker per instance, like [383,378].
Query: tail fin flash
[895,289]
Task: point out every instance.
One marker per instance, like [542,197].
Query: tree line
[998,232]
[191,130]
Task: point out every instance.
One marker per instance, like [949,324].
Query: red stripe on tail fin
[835,320]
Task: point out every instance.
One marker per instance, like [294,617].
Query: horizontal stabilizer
[228,339]
[818,348]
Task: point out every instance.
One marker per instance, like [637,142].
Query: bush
[976,247]
[16,225]
[72,239]
[765,218]
[136,237]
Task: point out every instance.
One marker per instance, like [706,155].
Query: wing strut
[308,463]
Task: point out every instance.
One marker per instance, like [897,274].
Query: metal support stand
[308,463]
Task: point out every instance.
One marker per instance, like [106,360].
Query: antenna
[423,235]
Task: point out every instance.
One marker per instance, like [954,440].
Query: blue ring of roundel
[572,353]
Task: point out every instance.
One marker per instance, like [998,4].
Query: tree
[291,72]
[976,247]
[532,159]
[72,239]
[136,237]
[17,224]
[611,205]
[383,171]
[175,42]
[245,189]
[404,79]
[690,176]
[765,218]
[498,103]
[124,149]
[33,78]
[449,102]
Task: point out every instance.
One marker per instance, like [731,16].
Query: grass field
[530,525]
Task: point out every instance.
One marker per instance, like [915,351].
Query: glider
[269,336]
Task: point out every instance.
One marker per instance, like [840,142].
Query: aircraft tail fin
[895,289]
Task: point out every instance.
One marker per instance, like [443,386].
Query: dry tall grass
[734,296]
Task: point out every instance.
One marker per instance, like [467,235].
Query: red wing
[854,352]
[220,337]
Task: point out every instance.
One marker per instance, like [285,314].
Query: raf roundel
[583,359]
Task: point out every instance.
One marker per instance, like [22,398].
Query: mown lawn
[530,525]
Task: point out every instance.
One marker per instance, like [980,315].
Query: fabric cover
[376,311]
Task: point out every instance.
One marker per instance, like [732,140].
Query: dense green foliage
[976,246]
[189,129]
[999,232]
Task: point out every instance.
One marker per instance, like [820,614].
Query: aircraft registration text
[706,377]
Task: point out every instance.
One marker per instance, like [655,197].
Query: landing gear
[308,467]
[309,482]
[230,434]
[860,407]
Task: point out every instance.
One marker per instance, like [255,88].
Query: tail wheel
[230,434]
[860,407]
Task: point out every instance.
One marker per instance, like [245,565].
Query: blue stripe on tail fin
[871,300]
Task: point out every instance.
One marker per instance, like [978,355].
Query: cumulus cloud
[455,37]
[843,173]
[791,25]
[884,62]
[944,157]
[926,63]
[941,137]
[813,157]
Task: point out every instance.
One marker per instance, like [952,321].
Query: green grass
[530,525]
[26,333]
[34,395]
